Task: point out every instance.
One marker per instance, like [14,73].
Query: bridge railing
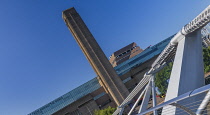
[185,108]
[168,53]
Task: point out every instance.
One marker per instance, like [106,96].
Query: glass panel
[100,95]
[126,80]
[68,98]
[142,57]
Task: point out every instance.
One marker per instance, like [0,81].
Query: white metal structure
[188,65]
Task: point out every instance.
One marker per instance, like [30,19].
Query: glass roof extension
[68,98]
[142,57]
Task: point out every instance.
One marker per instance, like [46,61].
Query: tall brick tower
[107,75]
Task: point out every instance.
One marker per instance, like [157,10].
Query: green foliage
[206,59]
[162,77]
[107,111]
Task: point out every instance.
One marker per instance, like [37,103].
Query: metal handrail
[179,98]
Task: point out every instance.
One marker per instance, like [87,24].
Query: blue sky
[40,60]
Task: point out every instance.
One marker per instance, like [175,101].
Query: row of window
[127,55]
[124,57]
[142,57]
[126,52]
[125,67]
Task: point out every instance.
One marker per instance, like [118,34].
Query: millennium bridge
[187,92]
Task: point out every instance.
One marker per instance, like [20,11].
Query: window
[123,53]
[127,79]
[99,95]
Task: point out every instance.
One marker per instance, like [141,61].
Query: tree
[162,76]
[206,59]
[107,111]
